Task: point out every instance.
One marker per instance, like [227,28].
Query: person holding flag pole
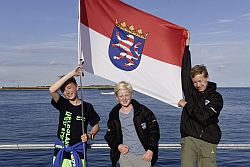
[74,117]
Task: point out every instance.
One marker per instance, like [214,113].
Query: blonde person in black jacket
[200,132]
[133,131]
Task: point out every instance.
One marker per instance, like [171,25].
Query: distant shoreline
[108,87]
[47,87]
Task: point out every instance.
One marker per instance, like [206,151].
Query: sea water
[27,117]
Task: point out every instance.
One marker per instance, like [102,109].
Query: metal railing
[101,146]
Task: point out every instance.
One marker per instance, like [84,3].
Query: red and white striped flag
[119,42]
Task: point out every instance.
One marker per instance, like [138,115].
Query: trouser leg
[189,153]
[124,161]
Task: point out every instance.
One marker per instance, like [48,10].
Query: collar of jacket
[211,86]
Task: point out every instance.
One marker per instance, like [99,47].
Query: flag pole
[80,63]
[82,111]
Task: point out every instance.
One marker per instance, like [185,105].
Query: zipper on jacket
[201,131]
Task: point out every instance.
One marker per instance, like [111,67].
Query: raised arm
[55,86]
[187,85]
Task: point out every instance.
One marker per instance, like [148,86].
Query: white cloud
[221,21]
[226,20]
[212,33]
[51,47]
[245,15]
[70,35]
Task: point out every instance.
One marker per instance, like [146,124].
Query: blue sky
[38,39]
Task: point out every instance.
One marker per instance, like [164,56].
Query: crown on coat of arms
[131,29]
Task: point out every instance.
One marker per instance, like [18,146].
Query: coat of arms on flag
[126,46]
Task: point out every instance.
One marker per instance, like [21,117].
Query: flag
[119,42]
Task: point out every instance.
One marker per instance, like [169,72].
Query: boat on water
[108,93]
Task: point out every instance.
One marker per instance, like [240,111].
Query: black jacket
[199,117]
[148,136]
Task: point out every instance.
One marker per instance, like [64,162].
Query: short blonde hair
[123,85]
